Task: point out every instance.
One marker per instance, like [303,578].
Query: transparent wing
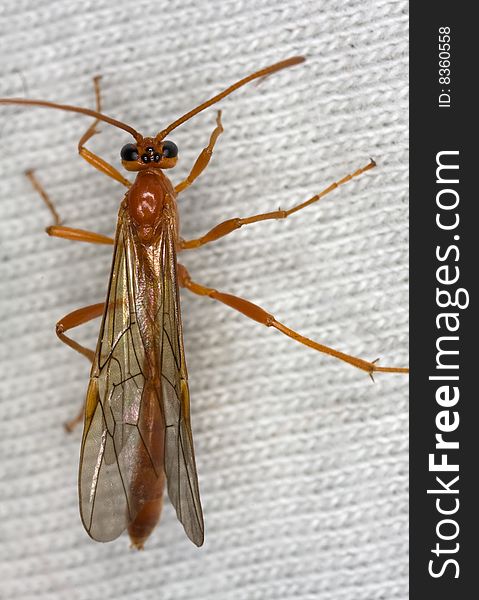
[180,465]
[137,424]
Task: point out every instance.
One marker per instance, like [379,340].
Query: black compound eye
[170,149]
[129,152]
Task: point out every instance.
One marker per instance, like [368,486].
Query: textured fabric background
[302,460]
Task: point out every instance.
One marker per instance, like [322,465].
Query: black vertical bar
[444,549]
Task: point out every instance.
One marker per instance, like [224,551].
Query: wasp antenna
[77,109]
[289,62]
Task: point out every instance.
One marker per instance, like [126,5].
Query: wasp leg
[59,230]
[93,159]
[204,157]
[256,313]
[74,319]
[232,224]
[78,235]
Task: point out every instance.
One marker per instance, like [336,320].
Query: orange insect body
[137,432]
[139,369]
[151,195]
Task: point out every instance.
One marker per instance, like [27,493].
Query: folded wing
[137,417]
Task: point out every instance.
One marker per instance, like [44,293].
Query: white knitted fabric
[302,460]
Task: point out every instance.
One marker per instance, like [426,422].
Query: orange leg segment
[74,319]
[256,313]
[59,230]
[232,224]
[203,159]
[78,235]
[94,160]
